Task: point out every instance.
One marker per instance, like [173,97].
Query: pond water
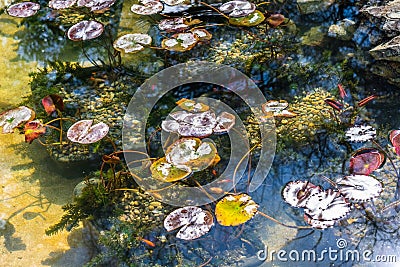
[111,222]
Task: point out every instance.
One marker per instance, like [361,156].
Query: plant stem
[281,223]
[215,9]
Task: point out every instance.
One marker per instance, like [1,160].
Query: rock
[388,70]
[312,6]
[389,51]
[343,30]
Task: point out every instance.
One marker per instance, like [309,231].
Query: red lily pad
[33,129]
[296,193]
[51,103]
[85,30]
[366,160]
[13,118]
[96,5]
[61,4]
[23,9]
[359,188]
[173,25]
[275,20]
[132,43]
[394,137]
[334,104]
[195,222]
[84,132]
[237,9]
[148,7]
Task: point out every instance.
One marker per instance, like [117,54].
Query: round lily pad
[173,25]
[360,188]
[33,129]
[296,193]
[84,132]
[202,34]
[366,160]
[195,222]
[132,43]
[237,9]
[85,30]
[394,137]
[253,19]
[51,103]
[274,106]
[225,122]
[192,152]
[192,106]
[318,224]
[23,9]
[96,5]
[13,118]
[180,42]
[234,210]
[175,2]
[167,172]
[148,7]
[61,4]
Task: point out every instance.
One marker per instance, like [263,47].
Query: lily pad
[61,4]
[96,5]
[148,7]
[84,132]
[360,133]
[132,43]
[235,210]
[192,106]
[225,122]
[175,2]
[33,129]
[327,205]
[275,20]
[366,160]
[297,193]
[237,9]
[318,224]
[274,106]
[195,222]
[23,9]
[253,19]
[180,42]
[85,30]
[51,103]
[202,34]
[394,137]
[13,118]
[167,172]
[360,188]
[192,152]
[173,25]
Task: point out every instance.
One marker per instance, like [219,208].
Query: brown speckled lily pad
[96,5]
[61,4]
[173,25]
[84,132]
[85,30]
[23,9]
[132,43]
[237,9]
[296,193]
[360,188]
[180,42]
[13,118]
[148,7]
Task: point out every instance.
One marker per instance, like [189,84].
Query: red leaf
[342,92]
[366,160]
[334,104]
[48,105]
[395,140]
[33,129]
[275,20]
[364,101]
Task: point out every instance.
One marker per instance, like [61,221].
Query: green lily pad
[167,172]
[235,210]
[253,19]
[192,106]
[192,152]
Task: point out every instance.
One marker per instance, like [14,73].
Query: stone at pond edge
[389,51]
[312,6]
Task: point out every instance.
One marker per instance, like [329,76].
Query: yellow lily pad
[252,19]
[192,106]
[235,210]
[167,172]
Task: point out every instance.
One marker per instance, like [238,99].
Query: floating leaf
[366,160]
[173,25]
[327,205]
[274,106]
[132,43]
[85,30]
[318,224]
[237,9]
[149,7]
[167,172]
[61,4]
[275,20]
[23,9]
[192,106]
[51,103]
[202,34]
[96,5]
[297,193]
[194,221]
[192,152]
[360,133]
[225,122]
[84,132]
[180,42]
[394,137]
[253,19]
[13,118]
[234,210]
[33,129]
[175,2]
[359,188]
